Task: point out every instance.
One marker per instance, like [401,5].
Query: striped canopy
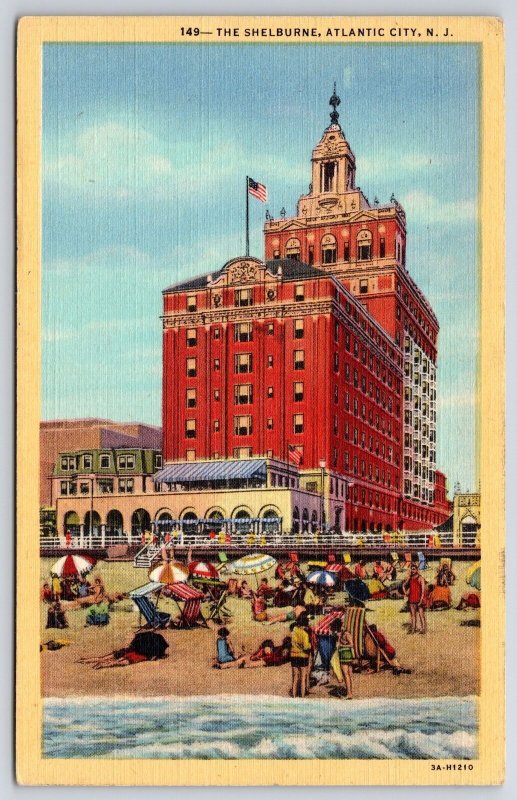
[202,569]
[169,572]
[322,578]
[72,565]
[253,564]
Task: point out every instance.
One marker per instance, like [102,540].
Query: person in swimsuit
[226,658]
[414,589]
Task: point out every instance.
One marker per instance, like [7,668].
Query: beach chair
[219,612]
[153,617]
[191,615]
[422,561]
[354,623]
[374,650]
[347,558]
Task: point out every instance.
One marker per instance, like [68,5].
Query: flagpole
[247,217]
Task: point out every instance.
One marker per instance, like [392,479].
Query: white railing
[394,541]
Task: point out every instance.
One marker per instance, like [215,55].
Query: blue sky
[145,153]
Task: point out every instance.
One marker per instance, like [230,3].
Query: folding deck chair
[219,612]
[153,617]
[354,623]
[190,614]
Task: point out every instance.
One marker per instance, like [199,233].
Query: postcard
[260,401]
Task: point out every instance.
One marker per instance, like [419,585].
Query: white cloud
[457,400]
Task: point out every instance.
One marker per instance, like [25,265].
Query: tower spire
[334,102]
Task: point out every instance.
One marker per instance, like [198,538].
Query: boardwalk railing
[394,541]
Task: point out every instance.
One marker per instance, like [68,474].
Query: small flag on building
[257,190]
[295,455]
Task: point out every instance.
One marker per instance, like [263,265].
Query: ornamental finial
[334,102]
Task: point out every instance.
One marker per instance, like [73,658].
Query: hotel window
[216,425]
[355,464]
[217,333]
[68,488]
[276,254]
[356,407]
[244,332]
[347,401]
[270,391]
[243,362]
[84,488]
[67,463]
[158,461]
[298,423]
[105,461]
[190,428]
[363,286]
[346,253]
[336,429]
[126,462]
[298,328]
[191,367]
[242,452]
[191,337]
[217,365]
[364,246]
[363,467]
[298,392]
[105,485]
[270,329]
[382,247]
[242,426]
[217,394]
[356,435]
[191,398]
[346,459]
[299,359]
[311,255]
[270,361]
[87,462]
[336,394]
[292,249]
[328,249]
[356,378]
[347,431]
[126,486]
[192,303]
[243,394]
[190,455]
[243,297]
[299,292]
[270,424]
[336,362]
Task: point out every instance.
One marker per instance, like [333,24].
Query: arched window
[92,524]
[114,523]
[140,522]
[242,521]
[271,521]
[305,521]
[216,521]
[328,249]
[189,522]
[164,522]
[71,523]
[314,521]
[329,176]
[364,246]
[296,520]
[292,249]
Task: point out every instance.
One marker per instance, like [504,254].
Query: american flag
[295,455]
[257,190]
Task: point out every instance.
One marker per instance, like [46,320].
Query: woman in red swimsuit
[414,589]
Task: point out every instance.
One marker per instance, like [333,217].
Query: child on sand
[226,658]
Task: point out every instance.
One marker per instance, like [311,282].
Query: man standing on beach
[414,589]
[300,654]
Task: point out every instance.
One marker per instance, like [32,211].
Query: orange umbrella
[169,572]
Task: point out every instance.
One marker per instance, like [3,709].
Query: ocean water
[240,727]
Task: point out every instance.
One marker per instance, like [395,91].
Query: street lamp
[323,464]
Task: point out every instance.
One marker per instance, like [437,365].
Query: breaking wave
[240,727]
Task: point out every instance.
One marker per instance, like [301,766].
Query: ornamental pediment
[244,270]
[363,216]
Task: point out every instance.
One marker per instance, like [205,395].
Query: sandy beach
[444,662]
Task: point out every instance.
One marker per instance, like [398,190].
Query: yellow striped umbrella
[253,564]
[473,575]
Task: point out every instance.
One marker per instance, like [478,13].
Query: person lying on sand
[145,646]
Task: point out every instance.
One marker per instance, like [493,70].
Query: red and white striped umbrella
[202,569]
[72,565]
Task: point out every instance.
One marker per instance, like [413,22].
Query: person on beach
[360,570]
[46,593]
[300,655]
[56,588]
[273,655]
[226,658]
[145,646]
[414,589]
[265,590]
[341,661]
[245,590]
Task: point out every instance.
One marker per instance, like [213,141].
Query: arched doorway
[164,522]
[114,523]
[314,521]
[296,520]
[92,526]
[271,521]
[216,521]
[140,522]
[71,523]
[242,521]
[189,522]
[305,520]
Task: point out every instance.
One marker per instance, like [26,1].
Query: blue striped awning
[198,471]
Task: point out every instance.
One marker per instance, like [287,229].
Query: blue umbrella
[322,578]
[357,589]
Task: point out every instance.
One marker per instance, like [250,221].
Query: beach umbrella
[169,572]
[322,578]
[357,589]
[72,565]
[473,576]
[202,569]
[252,564]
